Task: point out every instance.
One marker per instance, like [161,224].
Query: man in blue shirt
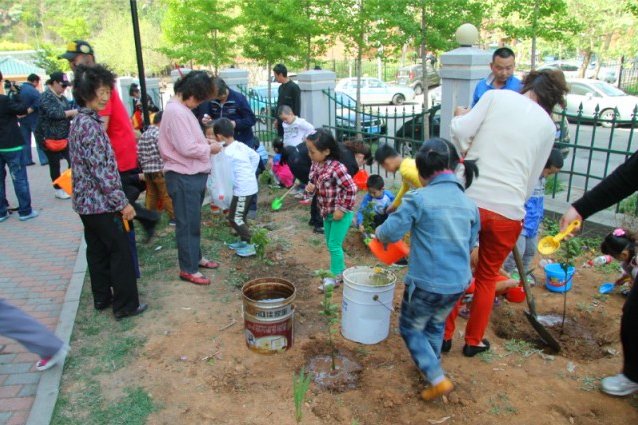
[30,96]
[502,75]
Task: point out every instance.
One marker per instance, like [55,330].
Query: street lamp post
[140,63]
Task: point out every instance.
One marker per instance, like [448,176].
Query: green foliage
[331,312]
[47,58]
[629,205]
[199,31]
[368,218]
[548,19]
[261,240]
[300,385]
[554,185]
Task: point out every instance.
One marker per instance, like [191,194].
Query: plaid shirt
[147,151]
[333,185]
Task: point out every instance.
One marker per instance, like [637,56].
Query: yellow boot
[442,388]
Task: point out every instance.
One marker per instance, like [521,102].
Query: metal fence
[593,146]
[384,70]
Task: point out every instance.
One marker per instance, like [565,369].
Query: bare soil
[196,366]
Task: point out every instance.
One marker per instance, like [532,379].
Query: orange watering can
[65,181]
[390,253]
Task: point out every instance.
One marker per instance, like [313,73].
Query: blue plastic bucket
[555,278]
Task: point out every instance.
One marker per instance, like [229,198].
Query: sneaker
[401,263]
[247,251]
[442,388]
[61,194]
[4,217]
[172,223]
[49,362]
[237,245]
[33,214]
[618,385]
[305,201]
[215,209]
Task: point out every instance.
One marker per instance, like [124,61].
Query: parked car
[607,74]
[569,68]
[412,76]
[410,135]
[372,125]
[595,93]
[259,102]
[375,91]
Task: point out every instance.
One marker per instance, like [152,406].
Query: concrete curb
[49,386]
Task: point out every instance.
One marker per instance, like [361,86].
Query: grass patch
[554,185]
[501,405]
[588,383]
[486,356]
[523,348]
[629,205]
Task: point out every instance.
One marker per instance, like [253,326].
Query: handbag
[56,145]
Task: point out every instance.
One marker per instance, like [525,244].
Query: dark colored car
[409,137]
[412,76]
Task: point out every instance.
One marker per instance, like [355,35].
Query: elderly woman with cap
[52,129]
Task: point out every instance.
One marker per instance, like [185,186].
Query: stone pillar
[314,103]
[235,78]
[461,70]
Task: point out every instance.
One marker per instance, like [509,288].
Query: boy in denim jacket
[444,225]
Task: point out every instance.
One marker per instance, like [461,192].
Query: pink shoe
[49,362]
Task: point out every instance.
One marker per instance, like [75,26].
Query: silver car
[596,93]
[375,91]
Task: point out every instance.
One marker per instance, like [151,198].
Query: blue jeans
[18,174]
[422,323]
[26,129]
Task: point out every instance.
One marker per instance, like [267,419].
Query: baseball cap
[76,47]
[60,77]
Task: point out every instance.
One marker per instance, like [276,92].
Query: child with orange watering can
[444,224]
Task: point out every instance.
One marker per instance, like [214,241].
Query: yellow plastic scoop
[550,244]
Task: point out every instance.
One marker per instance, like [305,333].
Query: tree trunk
[424,80]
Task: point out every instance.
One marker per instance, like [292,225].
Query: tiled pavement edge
[42,267]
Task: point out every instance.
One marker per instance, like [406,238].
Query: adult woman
[99,199]
[615,187]
[54,120]
[186,154]
[511,135]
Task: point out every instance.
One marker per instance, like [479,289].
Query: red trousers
[497,237]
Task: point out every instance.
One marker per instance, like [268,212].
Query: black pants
[237,215]
[55,158]
[133,186]
[315,215]
[110,262]
[629,334]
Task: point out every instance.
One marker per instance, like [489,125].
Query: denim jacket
[444,225]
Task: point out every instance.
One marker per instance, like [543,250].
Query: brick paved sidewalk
[37,263]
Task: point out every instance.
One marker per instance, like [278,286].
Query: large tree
[200,31]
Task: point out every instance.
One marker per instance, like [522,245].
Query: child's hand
[215,148]
[622,280]
[310,187]
[337,215]
[390,209]
[206,119]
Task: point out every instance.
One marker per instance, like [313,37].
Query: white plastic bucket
[366,307]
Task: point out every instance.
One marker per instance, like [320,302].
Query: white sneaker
[60,194]
[329,282]
[618,385]
[49,362]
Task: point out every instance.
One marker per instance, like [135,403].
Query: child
[391,161]
[444,224]
[377,200]
[279,168]
[534,208]
[621,244]
[335,190]
[243,163]
[295,128]
[152,165]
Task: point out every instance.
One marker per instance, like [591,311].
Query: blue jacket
[512,83]
[444,225]
[534,210]
[30,97]
[236,108]
[378,204]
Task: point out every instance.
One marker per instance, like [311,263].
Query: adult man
[232,105]
[11,156]
[120,131]
[289,94]
[502,75]
[30,97]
